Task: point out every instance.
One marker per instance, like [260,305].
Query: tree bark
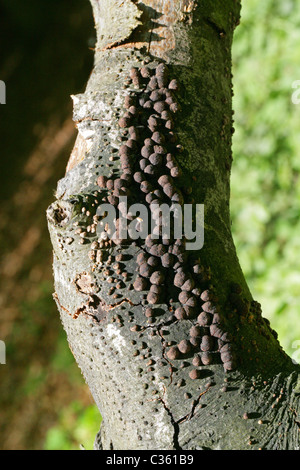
[163,375]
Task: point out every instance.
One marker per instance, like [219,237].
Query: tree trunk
[174,349]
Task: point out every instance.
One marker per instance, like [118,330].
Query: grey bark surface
[146,399]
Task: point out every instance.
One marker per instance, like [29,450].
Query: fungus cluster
[148,158]
[208,341]
[166,272]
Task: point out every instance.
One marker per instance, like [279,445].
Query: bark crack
[174,424]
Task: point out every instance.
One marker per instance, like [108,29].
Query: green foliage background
[265,175]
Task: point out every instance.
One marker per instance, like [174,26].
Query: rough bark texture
[168,379]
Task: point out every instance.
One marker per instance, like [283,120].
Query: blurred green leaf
[265,208]
[76,426]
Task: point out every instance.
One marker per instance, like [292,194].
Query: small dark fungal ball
[197,361]
[173,353]
[136,81]
[171,161]
[204,319]
[195,342]
[175,172]
[146,187]
[206,296]
[152,83]
[145,270]
[156,289]
[150,197]
[173,85]
[195,374]
[129,101]
[229,366]
[153,122]
[180,313]
[132,110]
[164,179]
[188,285]
[148,142]
[190,311]
[101,181]
[143,163]
[180,278]
[206,358]
[131,144]
[118,183]
[146,151]
[125,161]
[113,200]
[158,250]
[149,241]
[226,347]
[157,278]
[124,122]
[153,261]
[226,337]
[216,331]
[148,105]
[155,159]
[217,319]
[158,138]
[134,73]
[168,260]
[195,331]
[197,268]
[143,100]
[169,190]
[161,70]
[140,284]
[209,307]
[187,298]
[149,312]
[133,131]
[206,343]
[155,95]
[150,170]
[145,72]
[138,177]
[174,107]
[124,150]
[162,81]
[160,149]
[166,115]
[126,178]
[110,184]
[184,346]
[196,291]
[153,298]
[159,107]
